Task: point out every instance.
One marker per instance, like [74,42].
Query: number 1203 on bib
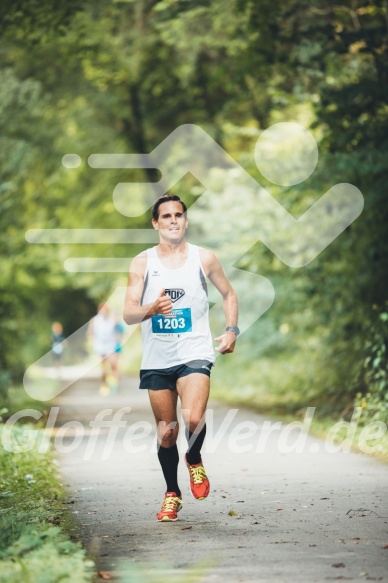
[175,323]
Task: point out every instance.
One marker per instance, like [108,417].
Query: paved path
[271,516]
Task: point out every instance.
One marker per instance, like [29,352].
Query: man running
[102,329]
[167,293]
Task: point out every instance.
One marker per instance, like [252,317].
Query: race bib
[177,322]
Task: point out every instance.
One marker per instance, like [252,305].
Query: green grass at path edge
[34,519]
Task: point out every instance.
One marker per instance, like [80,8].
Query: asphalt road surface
[273,514]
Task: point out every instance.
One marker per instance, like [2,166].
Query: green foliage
[44,555]
[31,548]
[24,475]
[375,401]
[118,76]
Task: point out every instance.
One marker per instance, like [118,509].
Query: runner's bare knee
[167,433]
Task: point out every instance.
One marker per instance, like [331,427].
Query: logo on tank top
[175,294]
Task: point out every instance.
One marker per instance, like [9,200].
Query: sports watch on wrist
[234,329]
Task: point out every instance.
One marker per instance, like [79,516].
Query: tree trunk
[135,132]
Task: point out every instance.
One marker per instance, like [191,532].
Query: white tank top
[184,335]
[104,335]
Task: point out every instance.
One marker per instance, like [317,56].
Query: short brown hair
[166,198]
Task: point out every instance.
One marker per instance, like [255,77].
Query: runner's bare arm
[133,311]
[215,272]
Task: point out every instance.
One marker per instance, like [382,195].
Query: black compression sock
[195,444]
[169,459]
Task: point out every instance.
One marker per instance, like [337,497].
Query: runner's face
[171,223]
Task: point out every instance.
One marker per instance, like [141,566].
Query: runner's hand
[163,305]
[227,342]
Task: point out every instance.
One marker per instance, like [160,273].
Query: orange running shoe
[199,483]
[170,507]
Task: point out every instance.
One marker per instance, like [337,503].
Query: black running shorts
[166,378]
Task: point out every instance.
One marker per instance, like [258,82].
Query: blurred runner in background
[106,336]
[119,331]
[57,343]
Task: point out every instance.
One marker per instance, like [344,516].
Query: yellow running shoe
[104,389]
[113,384]
[170,507]
[199,482]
